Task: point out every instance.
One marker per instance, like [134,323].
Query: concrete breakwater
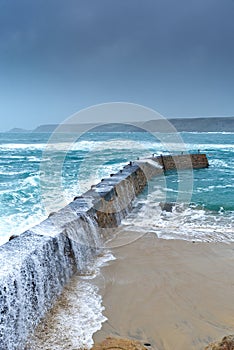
[36,265]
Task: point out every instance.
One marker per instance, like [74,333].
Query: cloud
[149,51]
[150,30]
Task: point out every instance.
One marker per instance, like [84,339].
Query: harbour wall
[36,265]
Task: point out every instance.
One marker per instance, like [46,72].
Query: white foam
[18,223]
[73,321]
[23,146]
[77,315]
[219,163]
[184,222]
[119,144]
[208,132]
[210,146]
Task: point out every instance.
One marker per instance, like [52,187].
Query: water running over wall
[36,266]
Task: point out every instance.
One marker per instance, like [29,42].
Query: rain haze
[57,57]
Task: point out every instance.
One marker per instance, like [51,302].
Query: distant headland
[211,124]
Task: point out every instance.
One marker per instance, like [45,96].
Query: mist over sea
[96,155]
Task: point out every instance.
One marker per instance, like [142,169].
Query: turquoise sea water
[93,156]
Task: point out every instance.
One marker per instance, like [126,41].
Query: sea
[205,215]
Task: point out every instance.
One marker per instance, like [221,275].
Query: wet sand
[175,295]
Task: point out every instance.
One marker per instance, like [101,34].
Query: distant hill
[46,128]
[110,127]
[18,130]
[212,124]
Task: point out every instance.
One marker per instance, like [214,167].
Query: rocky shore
[227,343]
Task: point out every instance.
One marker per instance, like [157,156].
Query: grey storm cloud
[167,54]
[148,30]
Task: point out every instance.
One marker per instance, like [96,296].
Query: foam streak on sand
[73,320]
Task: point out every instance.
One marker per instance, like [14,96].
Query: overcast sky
[58,56]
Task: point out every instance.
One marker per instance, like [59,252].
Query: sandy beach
[169,293]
